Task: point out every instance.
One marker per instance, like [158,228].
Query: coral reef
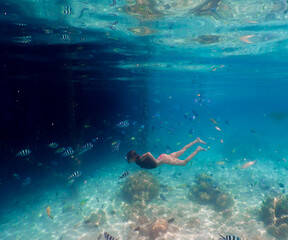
[206,191]
[153,229]
[140,188]
[274,214]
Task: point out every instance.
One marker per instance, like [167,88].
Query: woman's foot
[200,141]
[199,149]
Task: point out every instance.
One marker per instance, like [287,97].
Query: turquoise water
[72,71]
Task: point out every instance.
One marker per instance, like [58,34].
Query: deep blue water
[71,78]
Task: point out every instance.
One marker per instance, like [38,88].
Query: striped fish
[229,237]
[23,40]
[124,174]
[23,153]
[68,152]
[65,37]
[86,147]
[162,197]
[74,175]
[107,236]
[26,181]
[67,10]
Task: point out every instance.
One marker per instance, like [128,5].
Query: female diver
[148,161]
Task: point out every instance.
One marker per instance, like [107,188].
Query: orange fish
[48,210]
[248,164]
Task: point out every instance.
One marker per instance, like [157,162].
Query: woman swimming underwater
[148,161]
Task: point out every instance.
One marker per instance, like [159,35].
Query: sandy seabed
[248,187]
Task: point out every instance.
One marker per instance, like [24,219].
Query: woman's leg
[179,153]
[177,162]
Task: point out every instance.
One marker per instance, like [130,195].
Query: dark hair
[132,155]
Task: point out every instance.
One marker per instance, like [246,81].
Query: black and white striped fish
[67,10]
[23,153]
[86,147]
[26,181]
[68,152]
[74,175]
[229,237]
[162,197]
[23,40]
[124,174]
[107,236]
[65,37]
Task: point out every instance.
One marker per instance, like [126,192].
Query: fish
[218,129]
[95,139]
[74,175]
[107,236]
[23,40]
[26,181]
[60,150]
[213,121]
[53,145]
[220,163]
[48,211]
[162,197]
[84,201]
[113,3]
[115,146]
[23,153]
[171,220]
[68,152]
[65,37]
[15,175]
[124,174]
[248,164]
[114,23]
[99,237]
[67,10]
[281,185]
[86,147]
[123,124]
[229,237]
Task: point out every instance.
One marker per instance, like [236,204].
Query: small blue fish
[74,175]
[123,124]
[26,181]
[23,153]
[124,174]
[53,145]
[107,236]
[229,237]
[86,147]
[68,152]
[162,197]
